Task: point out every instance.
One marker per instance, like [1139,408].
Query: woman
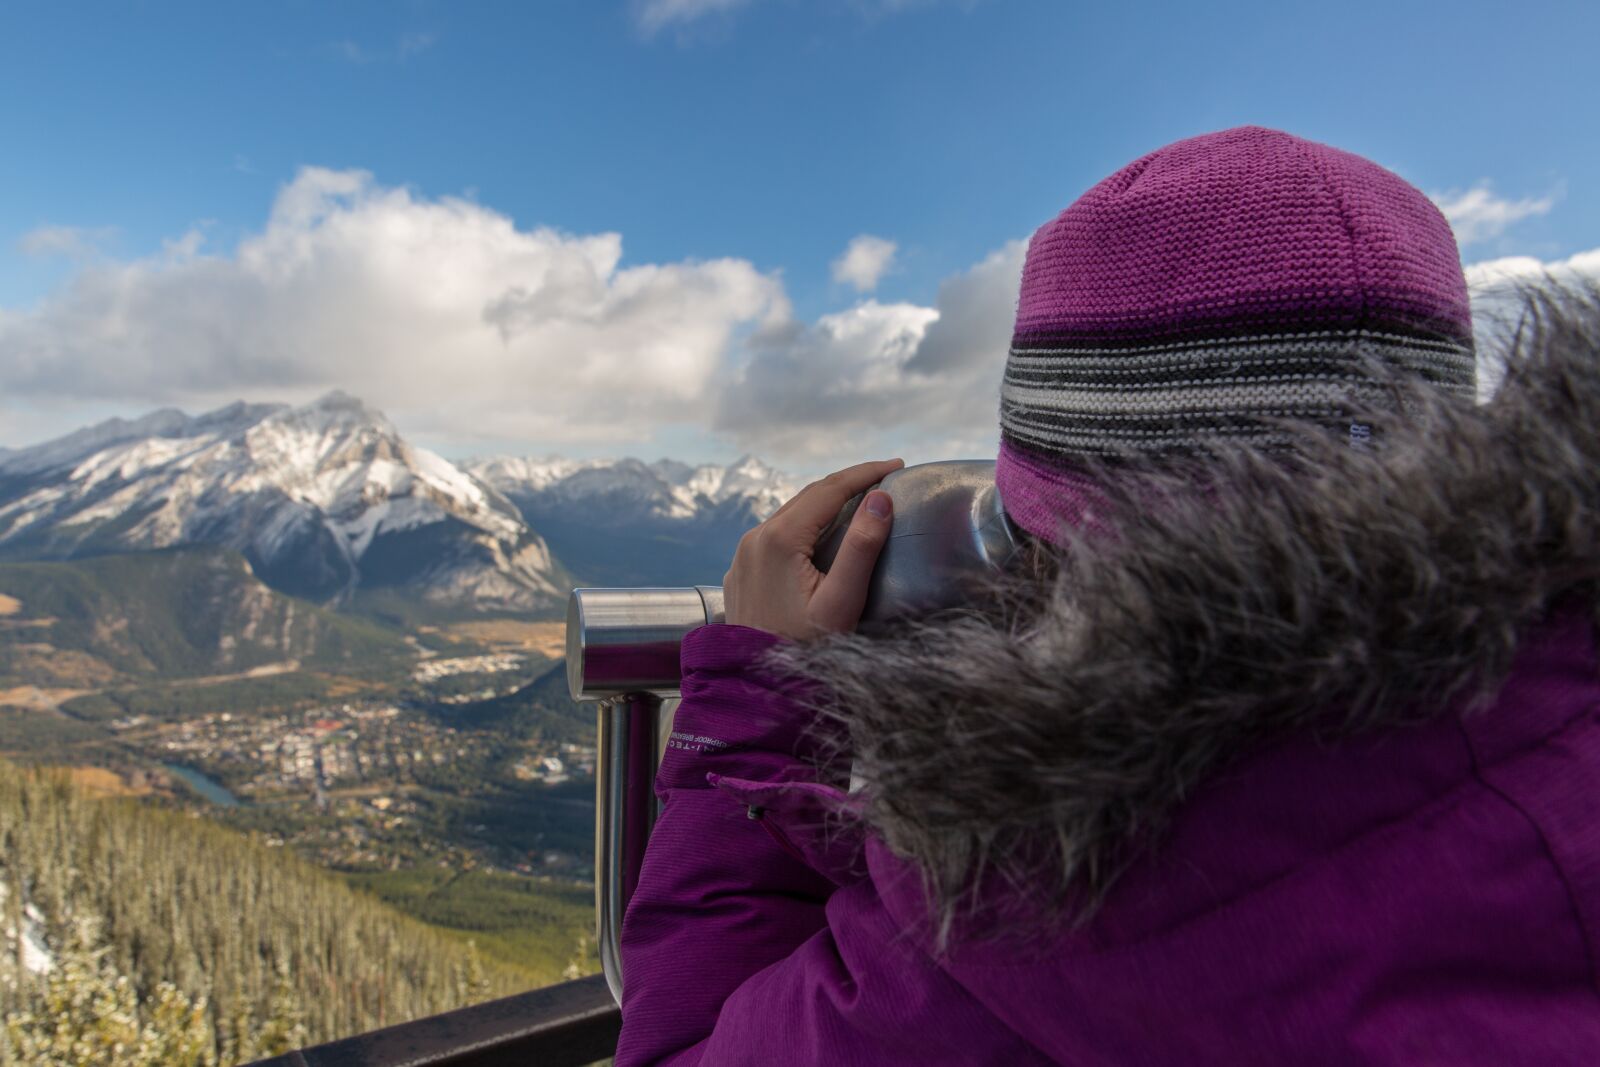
[1286,751]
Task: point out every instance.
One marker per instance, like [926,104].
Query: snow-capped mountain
[627,522]
[322,500]
[328,499]
[665,489]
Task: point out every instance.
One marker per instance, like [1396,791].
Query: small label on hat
[1360,435]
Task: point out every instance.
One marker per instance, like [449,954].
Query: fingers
[800,519]
[773,585]
[837,604]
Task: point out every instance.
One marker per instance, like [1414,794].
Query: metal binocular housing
[622,650]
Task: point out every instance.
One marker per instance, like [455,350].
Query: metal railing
[564,1025]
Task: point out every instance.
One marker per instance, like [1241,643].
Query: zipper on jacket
[759,814]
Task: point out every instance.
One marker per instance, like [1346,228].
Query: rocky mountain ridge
[665,489]
[328,499]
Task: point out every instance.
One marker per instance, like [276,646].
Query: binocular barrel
[622,641]
[949,530]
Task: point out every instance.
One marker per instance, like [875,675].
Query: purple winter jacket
[1418,886]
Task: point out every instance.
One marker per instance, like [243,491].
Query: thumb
[837,604]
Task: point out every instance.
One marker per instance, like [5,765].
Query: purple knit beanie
[1212,286]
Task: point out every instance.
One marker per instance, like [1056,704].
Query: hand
[773,585]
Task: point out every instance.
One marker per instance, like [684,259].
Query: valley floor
[455,785]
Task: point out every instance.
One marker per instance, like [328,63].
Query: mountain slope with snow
[328,500]
[665,489]
[627,522]
[322,499]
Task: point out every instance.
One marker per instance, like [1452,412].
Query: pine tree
[174,941]
[285,1025]
[177,1030]
[578,966]
[478,987]
[88,1013]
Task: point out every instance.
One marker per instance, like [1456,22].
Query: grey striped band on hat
[1170,397]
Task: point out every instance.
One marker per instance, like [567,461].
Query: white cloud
[441,311]
[894,7]
[654,15]
[1478,214]
[406,46]
[864,261]
[1494,285]
[977,310]
[414,44]
[471,332]
[815,391]
[72,242]
[1494,274]
[884,379]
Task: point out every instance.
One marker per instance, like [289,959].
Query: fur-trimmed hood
[1065,720]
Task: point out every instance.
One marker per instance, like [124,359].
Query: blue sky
[733,148]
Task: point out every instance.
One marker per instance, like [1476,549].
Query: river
[209,788]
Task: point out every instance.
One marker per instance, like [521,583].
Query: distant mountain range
[625,522]
[329,502]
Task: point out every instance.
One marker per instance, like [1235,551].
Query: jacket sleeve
[735,949]
[718,898]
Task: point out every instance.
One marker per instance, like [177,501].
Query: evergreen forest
[138,936]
